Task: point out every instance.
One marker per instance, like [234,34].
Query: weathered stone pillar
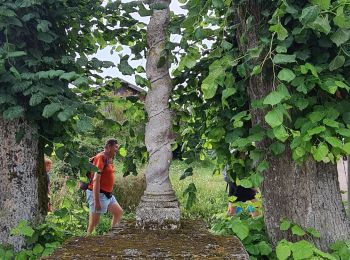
[159,208]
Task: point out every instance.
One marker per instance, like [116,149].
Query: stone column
[159,208]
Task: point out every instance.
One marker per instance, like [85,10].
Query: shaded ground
[192,241]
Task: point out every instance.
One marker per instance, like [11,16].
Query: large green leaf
[274,98]
[283,250]
[321,24]
[286,75]
[324,4]
[283,58]
[280,133]
[341,36]
[51,109]
[275,117]
[320,152]
[240,229]
[302,250]
[337,62]
[309,14]
[13,112]
[282,32]
[36,99]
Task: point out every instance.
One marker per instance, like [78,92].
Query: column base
[158,211]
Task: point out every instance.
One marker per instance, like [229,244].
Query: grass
[211,189]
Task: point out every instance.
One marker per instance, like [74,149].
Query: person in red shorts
[99,193]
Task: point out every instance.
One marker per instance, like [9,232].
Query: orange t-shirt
[107,173]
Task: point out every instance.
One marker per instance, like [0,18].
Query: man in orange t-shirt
[99,193]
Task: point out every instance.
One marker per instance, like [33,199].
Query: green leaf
[277,148]
[263,166]
[335,142]
[309,14]
[320,152]
[280,133]
[256,70]
[65,114]
[313,232]
[286,75]
[341,20]
[15,72]
[51,109]
[188,172]
[218,3]
[344,132]
[246,183]
[282,33]
[274,98]
[69,76]
[302,250]
[284,58]
[38,249]
[296,230]
[331,123]
[22,228]
[298,153]
[123,152]
[16,54]
[283,250]
[324,4]
[124,66]
[341,36]
[285,225]
[337,62]
[209,87]
[275,117]
[226,94]
[346,148]
[45,37]
[36,99]
[316,130]
[13,112]
[240,229]
[191,190]
[264,248]
[43,26]
[321,24]
[256,179]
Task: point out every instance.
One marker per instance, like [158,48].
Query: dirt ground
[191,241]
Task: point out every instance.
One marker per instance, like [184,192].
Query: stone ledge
[191,241]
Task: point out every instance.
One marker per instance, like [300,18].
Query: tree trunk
[23,185]
[308,195]
[159,207]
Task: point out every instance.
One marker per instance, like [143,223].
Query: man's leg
[117,212]
[94,218]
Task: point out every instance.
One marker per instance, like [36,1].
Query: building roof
[129,85]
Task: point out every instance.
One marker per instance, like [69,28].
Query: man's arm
[96,190]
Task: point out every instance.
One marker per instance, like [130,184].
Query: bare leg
[94,218]
[116,211]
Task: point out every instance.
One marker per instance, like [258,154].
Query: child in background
[48,167]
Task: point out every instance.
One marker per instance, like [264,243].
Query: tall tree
[275,80]
[159,207]
[307,193]
[44,97]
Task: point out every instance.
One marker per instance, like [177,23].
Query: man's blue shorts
[104,201]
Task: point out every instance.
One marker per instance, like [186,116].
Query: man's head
[111,147]
[48,164]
